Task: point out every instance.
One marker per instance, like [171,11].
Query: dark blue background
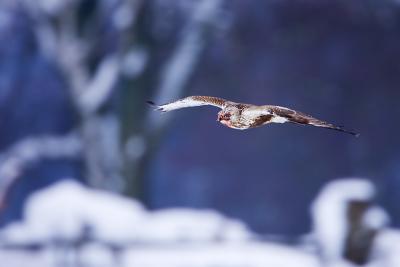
[336,60]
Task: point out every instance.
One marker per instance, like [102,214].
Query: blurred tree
[97,47]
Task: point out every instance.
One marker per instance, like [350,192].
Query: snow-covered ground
[70,211]
[212,254]
[71,225]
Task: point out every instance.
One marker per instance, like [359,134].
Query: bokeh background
[79,72]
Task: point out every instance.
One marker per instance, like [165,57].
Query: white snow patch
[375,218]
[386,248]
[123,17]
[180,236]
[329,213]
[5,19]
[224,254]
[66,209]
[53,7]
[135,147]
[135,62]
[189,225]
[96,255]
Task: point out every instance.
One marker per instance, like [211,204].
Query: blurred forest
[75,76]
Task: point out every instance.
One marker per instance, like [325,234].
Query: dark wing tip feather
[156,107]
[301,118]
[354,133]
[341,129]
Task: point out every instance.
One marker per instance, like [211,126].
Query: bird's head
[228,115]
[224,116]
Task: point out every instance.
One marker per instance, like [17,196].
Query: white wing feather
[192,101]
[257,111]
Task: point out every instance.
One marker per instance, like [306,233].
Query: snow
[386,250]
[375,218]
[134,62]
[135,147]
[192,226]
[329,213]
[122,231]
[124,16]
[102,84]
[53,7]
[96,255]
[207,255]
[5,19]
[79,226]
[67,209]
[229,255]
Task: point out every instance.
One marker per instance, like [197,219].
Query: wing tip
[151,103]
[155,106]
[354,134]
[349,132]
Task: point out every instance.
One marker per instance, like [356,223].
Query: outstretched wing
[191,101]
[282,115]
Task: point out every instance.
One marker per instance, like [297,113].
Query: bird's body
[245,116]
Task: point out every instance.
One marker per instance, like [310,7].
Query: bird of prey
[245,116]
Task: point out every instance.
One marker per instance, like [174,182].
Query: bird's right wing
[191,101]
[283,114]
[279,114]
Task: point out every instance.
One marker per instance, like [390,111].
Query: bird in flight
[245,116]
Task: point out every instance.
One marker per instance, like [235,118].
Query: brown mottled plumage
[244,116]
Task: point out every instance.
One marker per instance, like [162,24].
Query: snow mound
[69,211]
[386,249]
[54,7]
[329,212]
[191,225]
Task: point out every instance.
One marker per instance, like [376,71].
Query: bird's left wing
[191,101]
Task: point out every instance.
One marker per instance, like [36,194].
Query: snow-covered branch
[72,43]
[181,64]
[175,73]
[28,151]
[101,85]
